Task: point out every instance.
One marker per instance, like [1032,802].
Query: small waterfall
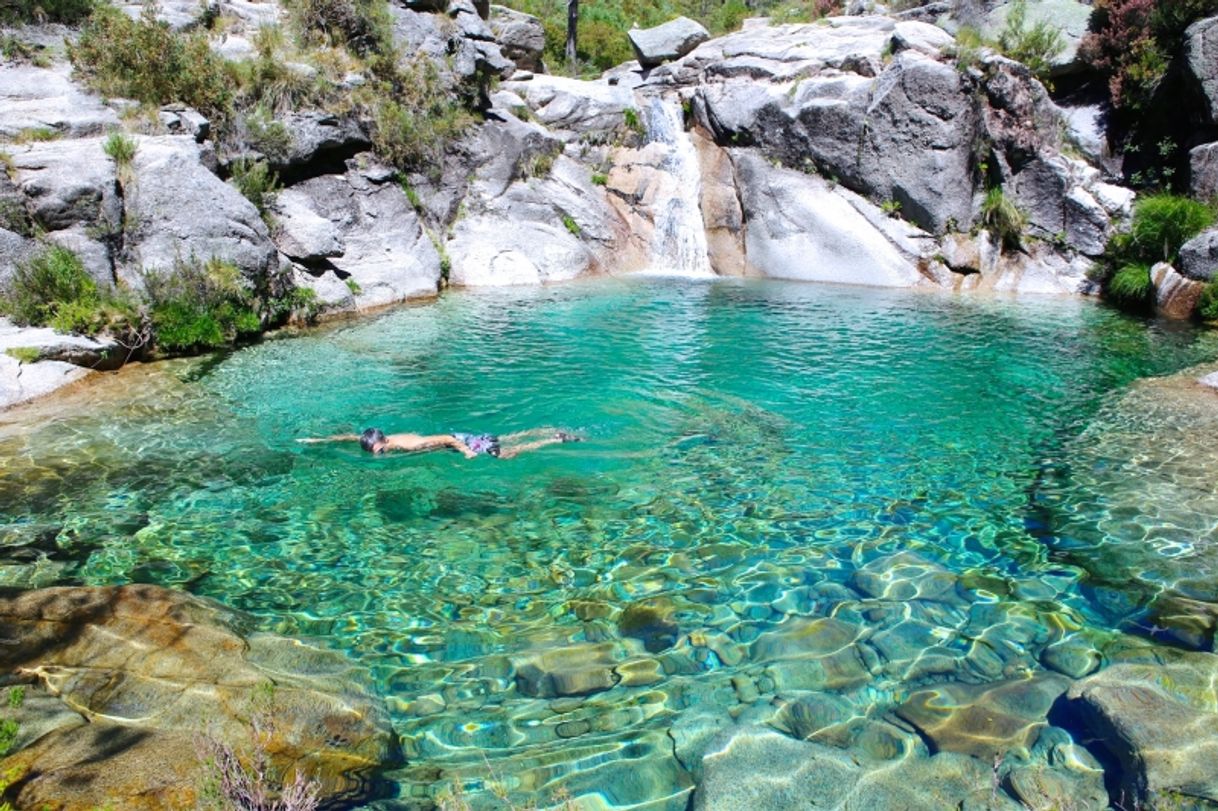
[679,244]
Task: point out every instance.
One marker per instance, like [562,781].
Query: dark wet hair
[370,437]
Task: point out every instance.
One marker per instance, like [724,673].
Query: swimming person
[376,441]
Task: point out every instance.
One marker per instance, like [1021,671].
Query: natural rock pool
[892,523]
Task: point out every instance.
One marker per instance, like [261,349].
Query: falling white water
[678,245]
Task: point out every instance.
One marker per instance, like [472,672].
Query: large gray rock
[663,43]
[1199,256]
[34,98]
[68,182]
[1201,47]
[180,211]
[320,137]
[1160,722]
[359,226]
[799,228]
[571,108]
[522,38]
[21,382]
[463,48]
[51,345]
[1053,193]
[1203,171]
[540,229]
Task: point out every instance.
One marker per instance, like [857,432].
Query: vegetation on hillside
[1162,223]
[195,305]
[601,40]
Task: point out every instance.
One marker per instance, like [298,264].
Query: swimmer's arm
[336,438]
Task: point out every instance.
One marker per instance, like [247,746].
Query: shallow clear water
[754,452]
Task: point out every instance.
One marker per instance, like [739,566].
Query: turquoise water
[755,452]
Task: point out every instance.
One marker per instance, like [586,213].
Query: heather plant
[40,288]
[248,781]
[364,26]
[415,116]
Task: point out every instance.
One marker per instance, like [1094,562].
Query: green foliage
[199,305]
[257,182]
[266,85]
[146,60]
[24,354]
[412,196]
[1131,287]
[16,697]
[415,116]
[1036,46]
[15,49]
[539,164]
[8,735]
[36,134]
[1162,223]
[599,179]
[120,148]
[632,120]
[364,26]
[571,225]
[353,286]
[891,208]
[45,11]
[40,288]
[1003,219]
[267,135]
[1207,303]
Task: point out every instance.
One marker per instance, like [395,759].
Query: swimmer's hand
[469,454]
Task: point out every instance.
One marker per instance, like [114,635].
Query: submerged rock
[151,671]
[1160,721]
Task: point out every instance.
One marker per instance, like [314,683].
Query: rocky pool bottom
[822,547]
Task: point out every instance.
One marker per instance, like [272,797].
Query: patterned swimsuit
[480,443]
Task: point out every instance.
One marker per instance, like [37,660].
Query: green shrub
[1162,223]
[145,60]
[1207,304]
[24,354]
[120,148]
[257,182]
[571,225]
[1003,219]
[267,85]
[364,26]
[415,116]
[8,735]
[599,179]
[199,305]
[1036,46]
[48,282]
[1131,287]
[45,11]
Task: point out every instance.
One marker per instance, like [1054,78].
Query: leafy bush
[45,284]
[1003,219]
[364,26]
[1035,46]
[45,11]
[199,305]
[1131,287]
[146,60]
[54,290]
[257,182]
[1207,304]
[415,116]
[1162,223]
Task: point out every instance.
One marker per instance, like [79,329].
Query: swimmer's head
[373,440]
